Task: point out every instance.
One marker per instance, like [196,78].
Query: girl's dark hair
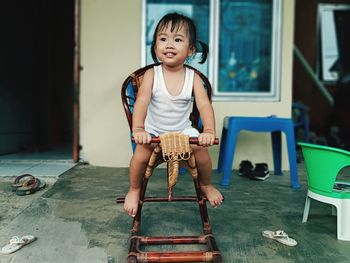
[177,21]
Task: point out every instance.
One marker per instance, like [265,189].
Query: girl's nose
[170,44]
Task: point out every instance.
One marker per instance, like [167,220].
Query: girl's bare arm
[206,112]
[140,109]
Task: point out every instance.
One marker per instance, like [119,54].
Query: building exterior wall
[111,49]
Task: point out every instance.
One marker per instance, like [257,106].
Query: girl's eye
[178,40]
[162,39]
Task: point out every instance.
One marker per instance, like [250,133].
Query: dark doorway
[37,76]
[329,120]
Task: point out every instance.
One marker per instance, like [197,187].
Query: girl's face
[173,48]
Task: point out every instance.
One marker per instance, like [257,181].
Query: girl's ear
[191,51]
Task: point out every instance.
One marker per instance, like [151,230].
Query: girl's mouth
[169,54]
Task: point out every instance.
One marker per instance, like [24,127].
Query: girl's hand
[206,139]
[141,137]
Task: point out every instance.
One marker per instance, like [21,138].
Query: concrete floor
[53,162]
[76,219]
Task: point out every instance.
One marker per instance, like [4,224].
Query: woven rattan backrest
[133,82]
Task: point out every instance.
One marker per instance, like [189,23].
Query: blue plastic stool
[233,125]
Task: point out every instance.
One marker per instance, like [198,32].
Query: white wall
[110,50]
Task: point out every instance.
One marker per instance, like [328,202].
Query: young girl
[164,104]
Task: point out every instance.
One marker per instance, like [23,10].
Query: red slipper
[33,186]
[30,188]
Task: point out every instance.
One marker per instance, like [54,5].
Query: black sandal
[245,169]
[21,180]
[261,172]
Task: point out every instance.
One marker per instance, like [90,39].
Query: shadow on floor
[77,220]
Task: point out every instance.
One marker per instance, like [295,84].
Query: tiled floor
[51,163]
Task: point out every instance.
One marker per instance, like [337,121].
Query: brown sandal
[22,180]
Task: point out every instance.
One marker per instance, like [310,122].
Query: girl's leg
[204,167]
[137,169]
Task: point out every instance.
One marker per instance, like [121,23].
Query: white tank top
[167,113]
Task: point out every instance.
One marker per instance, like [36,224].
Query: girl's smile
[170,54]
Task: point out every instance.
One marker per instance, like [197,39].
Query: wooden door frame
[77,68]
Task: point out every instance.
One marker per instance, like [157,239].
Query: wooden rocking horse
[166,151]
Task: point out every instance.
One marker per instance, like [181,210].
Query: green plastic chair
[322,166]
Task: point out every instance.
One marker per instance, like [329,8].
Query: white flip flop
[280,236]
[16,243]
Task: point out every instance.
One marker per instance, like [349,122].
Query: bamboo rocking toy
[172,148]
[175,147]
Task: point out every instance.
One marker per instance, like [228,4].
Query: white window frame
[213,63]
[327,41]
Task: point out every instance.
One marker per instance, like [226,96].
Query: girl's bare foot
[132,202]
[213,195]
